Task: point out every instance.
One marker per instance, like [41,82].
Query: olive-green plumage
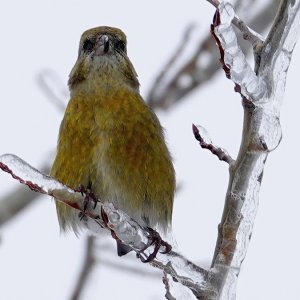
[109,140]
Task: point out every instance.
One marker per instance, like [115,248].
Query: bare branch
[129,269]
[87,268]
[15,202]
[51,85]
[159,81]
[205,142]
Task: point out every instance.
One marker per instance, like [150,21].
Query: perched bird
[110,141]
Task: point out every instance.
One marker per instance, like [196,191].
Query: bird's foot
[154,239]
[104,218]
[89,197]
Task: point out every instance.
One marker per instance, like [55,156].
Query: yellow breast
[115,144]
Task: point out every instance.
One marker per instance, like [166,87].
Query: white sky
[35,261]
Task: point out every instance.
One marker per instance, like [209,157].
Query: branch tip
[202,136]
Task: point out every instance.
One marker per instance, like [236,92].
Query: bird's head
[102,55]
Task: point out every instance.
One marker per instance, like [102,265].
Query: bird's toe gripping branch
[89,198]
[106,215]
[153,240]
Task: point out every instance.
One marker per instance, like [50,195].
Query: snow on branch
[119,223]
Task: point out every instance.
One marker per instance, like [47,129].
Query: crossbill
[110,141]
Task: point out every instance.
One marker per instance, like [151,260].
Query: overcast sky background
[36,262]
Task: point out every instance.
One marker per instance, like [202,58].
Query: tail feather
[122,248]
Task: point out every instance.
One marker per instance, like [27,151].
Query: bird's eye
[88,45]
[120,46]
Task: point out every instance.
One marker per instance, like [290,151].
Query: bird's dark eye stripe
[88,45]
[120,45]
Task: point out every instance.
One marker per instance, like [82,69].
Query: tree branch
[16,201]
[87,268]
[168,294]
[261,92]
[205,142]
[55,91]
[118,222]
[163,93]
[203,64]
[248,33]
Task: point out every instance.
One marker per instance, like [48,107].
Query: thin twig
[166,283]
[136,271]
[170,63]
[86,270]
[52,92]
[221,153]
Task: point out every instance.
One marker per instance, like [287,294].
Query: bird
[110,142]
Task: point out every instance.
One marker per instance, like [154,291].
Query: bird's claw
[154,239]
[89,197]
[104,217]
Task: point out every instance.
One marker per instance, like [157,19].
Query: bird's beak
[103,45]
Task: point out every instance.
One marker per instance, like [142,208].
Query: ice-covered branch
[233,59]
[262,90]
[118,222]
[276,53]
[205,142]
[203,63]
[17,200]
[248,34]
